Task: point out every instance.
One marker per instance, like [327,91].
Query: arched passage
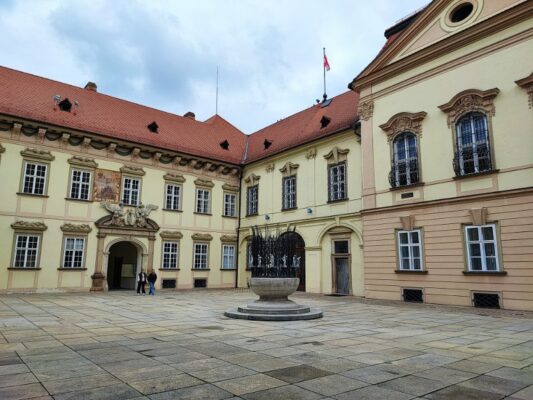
[122,265]
[300,252]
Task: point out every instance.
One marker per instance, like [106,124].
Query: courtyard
[178,345]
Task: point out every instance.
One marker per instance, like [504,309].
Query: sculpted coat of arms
[132,216]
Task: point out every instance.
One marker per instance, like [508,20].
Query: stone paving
[178,345]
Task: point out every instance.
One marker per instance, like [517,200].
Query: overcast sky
[164,54]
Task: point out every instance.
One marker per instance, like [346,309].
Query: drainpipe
[238,230]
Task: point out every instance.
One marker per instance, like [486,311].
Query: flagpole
[216,96]
[324,71]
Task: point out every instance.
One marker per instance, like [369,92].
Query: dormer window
[153,127]
[65,105]
[224,145]
[324,121]
[267,143]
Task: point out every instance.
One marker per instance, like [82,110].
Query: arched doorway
[300,252]
[122,266]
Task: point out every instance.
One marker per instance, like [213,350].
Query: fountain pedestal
[274,303]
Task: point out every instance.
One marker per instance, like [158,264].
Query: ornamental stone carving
[270,167]
[205,237]
[289,168]
[2,149]
[404,122]
[204,183]
[132,170]
[336,155]
[252,180]
[230,188]
[408,222]
[128,217]
[73,228]
[39,155]
[173,177]
[311,153]
[527,84]
[28,226]
[366,110]
[80,161]
[228,238]
[469,101]
[479,215]
[171,235]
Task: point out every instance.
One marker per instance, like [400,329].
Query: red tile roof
[304,127]
[31,97]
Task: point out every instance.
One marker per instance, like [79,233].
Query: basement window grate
[200,283]
[486,300]
[169,284]
[413,295]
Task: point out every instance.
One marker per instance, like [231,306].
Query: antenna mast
[216,96]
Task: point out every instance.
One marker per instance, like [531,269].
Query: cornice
[73,228]
[289,168]
[468,101]
[132,170]
[173,177]
[228,238]
[29,226]
[81,161]
[35,154]
[252,180]
[204,237]
[404,122]
[230,188]
[336,154]
[207,183]
[175,235]
[527,84]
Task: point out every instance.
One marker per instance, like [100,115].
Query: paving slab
[298,373]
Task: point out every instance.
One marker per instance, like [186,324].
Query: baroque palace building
[415,185]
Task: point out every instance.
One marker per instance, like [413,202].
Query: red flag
[326,63]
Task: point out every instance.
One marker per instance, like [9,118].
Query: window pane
[488,233]
[473,234]
[405,263]
[416,251]
[341,247]
[492,264]
[417,264]
[475,263]
[475,250]
[415,237]
[403,238]
[404,251]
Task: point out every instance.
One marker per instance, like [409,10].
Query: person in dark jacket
[141,282]
[152,277]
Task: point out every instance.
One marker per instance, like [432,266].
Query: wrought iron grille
[404,173]
[273,254]
[487,300]
[413,296]
[469,161]
[200,283]
[169,284]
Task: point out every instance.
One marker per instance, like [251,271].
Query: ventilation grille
[486,300]
[413,296]
[169,284]
[200,283]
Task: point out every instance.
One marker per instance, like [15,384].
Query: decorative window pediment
[228,238]
[37,155]
[204,183]
[527,84]
[80,161]
[132,170]
[172,177]
[252,180]
[289,169]
[29,226]
[336,155]
[470,100]
[479,215]
[230,188]
[204,237]
[403,122]
[171,235]
[74,228]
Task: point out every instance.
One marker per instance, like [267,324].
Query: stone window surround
[336,235]
[81,163]
[234,245]
[79,232]
[526,84]
[30,229]
[35,156]
[174,237]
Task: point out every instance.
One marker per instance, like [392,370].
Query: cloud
[165,54]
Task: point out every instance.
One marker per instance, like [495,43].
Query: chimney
[189,114]
[91,86]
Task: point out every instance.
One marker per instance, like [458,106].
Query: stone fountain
[274,267]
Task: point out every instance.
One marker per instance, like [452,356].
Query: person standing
[152,277]
[141,282]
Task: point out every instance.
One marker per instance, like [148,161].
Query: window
[26,251]
[34,178]
[410,250]
[131,188]
[341,247]
[170,255]
[473,148]
[202,201]
[80,184]
[173,197]
[481,248]
[289,192]
[200,255]
[252,200]
[337,182]
[228,256]
[230,204]
[73,252]
[404,169]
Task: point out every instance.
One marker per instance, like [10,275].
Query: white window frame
[80,184]
[200,254]
[475,151]
[228,256]
[289,192]
[26,250]
[481,243]
[252,200]
[339,184]
[34,178]
[169,255]
[410,245]
[173,199]
[407,160]
[203,201]
[76,253]
[230,204]
[127,193]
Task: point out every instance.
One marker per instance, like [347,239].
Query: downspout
[241,174]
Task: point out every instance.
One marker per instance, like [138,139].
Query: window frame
[410,245]
[195,254]
[225,203]
[286,203]
[234,255]
[71,184]
[495,241]
[163,253]
[27,162]
[173,206]
[394,177]
[458,146]
[123,189]
[208,201]
[64,250]
[15,249]
[253,202]
[331,167]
